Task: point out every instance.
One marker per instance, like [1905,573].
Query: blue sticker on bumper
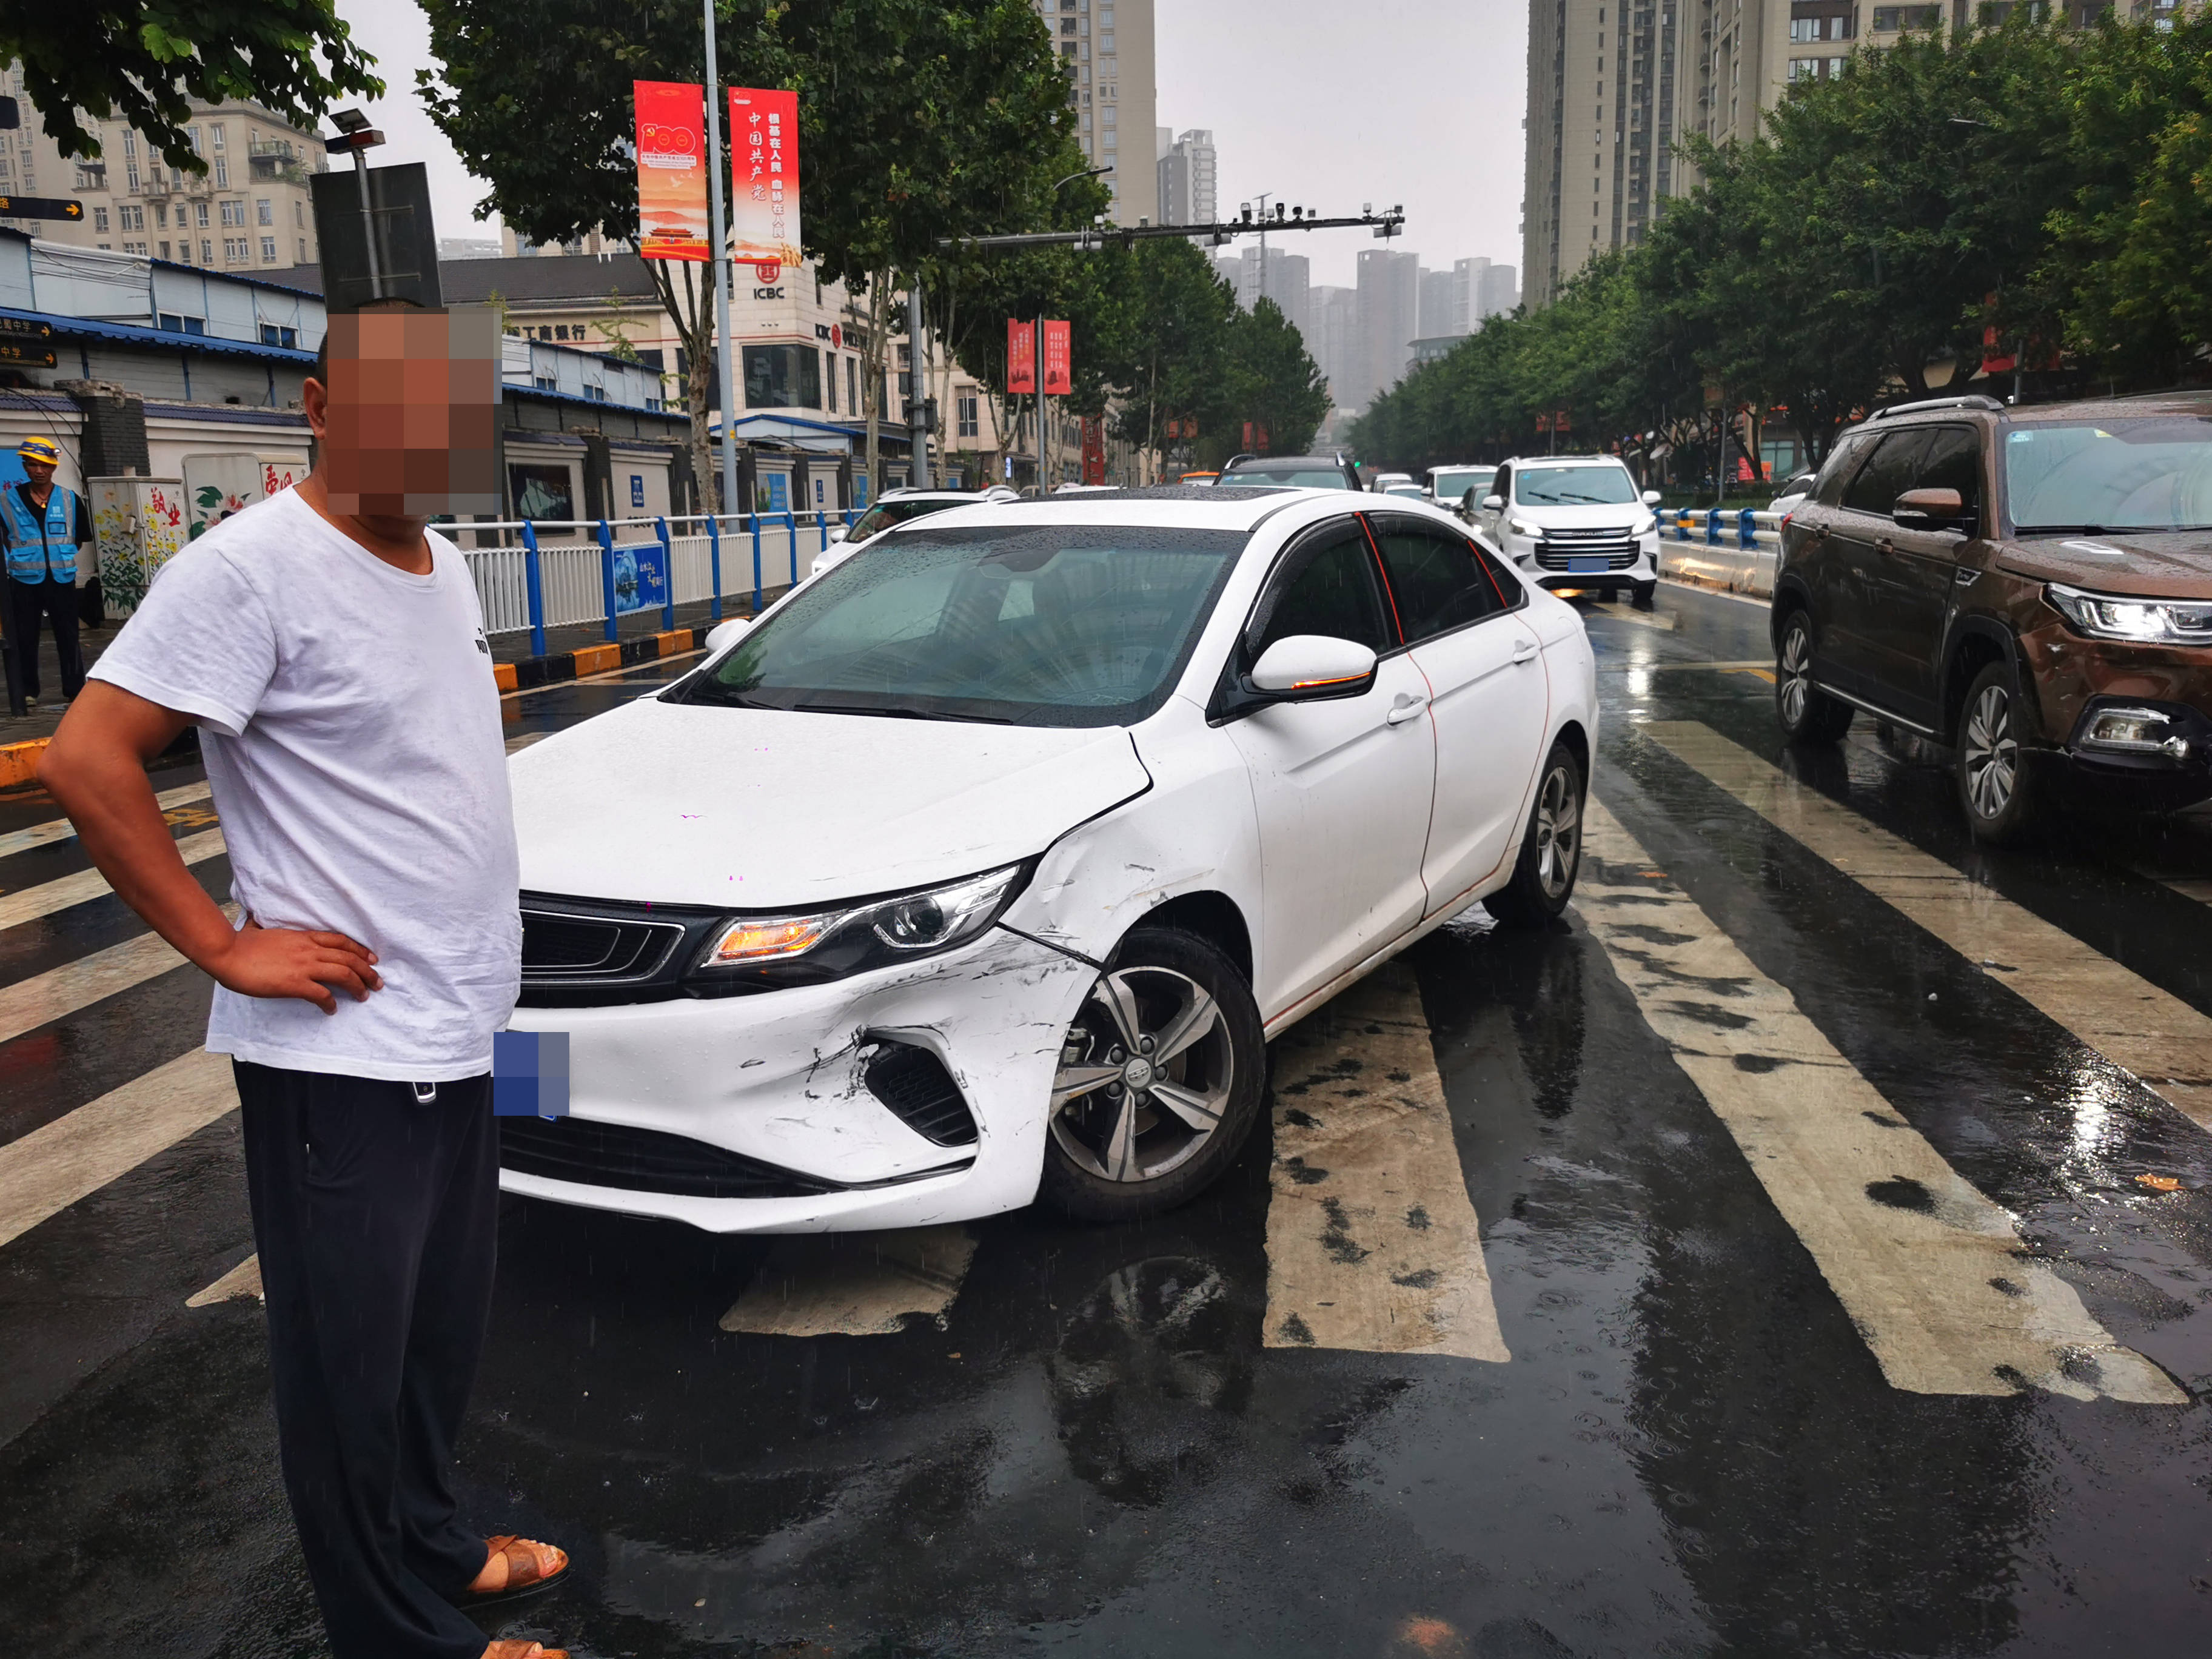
[530,1074]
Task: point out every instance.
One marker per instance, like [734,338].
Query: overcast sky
[1328,103]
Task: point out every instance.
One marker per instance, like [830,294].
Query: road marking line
[1759,674]
[1664,624]
[853,1284]
[16,909]
[2193,887]
[240,1282]
[56,1164]
[1372,1242]
[61,991]
[2164,1043]
[1709,667]
[1931,1272]
[39,835]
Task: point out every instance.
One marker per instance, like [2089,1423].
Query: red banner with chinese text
[1021,357]
[1094,450]
[672,169]
[1059,360]
[763,178]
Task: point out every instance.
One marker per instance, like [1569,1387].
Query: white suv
[1576,521]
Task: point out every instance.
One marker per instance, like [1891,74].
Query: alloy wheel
[1559,833]
[1992,754]
[1795,668]
[1144,1076]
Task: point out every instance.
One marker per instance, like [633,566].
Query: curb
[19,763]
[530,673]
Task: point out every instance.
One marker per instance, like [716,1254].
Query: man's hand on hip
[284,961]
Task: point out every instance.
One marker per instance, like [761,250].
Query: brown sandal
[530,1567]
[523,1650]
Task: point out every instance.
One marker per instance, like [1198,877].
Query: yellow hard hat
[40,449]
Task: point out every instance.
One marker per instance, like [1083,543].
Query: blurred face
[40,473]
[406,427]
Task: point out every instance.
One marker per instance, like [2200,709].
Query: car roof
[1269,463]
[1194,507]
[1564,460]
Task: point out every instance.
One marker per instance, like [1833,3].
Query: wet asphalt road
[1099,1445]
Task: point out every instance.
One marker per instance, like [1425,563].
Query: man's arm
[96,769]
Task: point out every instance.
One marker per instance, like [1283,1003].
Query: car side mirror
[1302,667]
[1651,498]
[727,633]
[1491,503]
[837,532]
[1929,509]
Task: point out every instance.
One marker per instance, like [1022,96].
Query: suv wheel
[1645,595]
[1808,715]
[1159,1080]
[1552,851]
[1996,786]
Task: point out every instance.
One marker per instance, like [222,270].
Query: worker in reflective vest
[45,526]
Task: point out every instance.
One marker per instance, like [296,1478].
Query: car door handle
[1885,546]
[1408,704]
[1524,651]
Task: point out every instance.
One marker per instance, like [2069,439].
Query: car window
[1887,474]
[1327,586]
[1953,460]
[1069,625]
[1843,462]
[1537,485]
[1304,478]
[1437,579]
[884,514]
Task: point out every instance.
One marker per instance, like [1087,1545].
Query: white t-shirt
[351,729]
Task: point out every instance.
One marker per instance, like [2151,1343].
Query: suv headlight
[832,943]
[2140,621]
[1523,527]
[1645,526]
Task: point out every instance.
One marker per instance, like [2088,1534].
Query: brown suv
[2031,585]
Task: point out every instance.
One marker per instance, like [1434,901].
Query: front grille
[577,953]
[918,1090]
[1615,544]
[641,1161]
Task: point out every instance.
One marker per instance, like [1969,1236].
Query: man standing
[332,652]
[45,525]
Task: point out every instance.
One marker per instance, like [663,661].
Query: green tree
[146,63]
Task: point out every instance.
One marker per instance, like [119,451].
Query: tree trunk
[872,362]
[947,416]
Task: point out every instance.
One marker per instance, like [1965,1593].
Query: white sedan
[984,867]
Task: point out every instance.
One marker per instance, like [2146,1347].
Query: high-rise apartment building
[1273,273]
[249,211]
[1106,46]
[1389,310]
[1612,87]
[1438,316]
[1187,180]
[1481,288]
[1332,332]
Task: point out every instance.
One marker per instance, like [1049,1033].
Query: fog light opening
[2134,732]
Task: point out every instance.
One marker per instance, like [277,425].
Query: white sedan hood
[757,809]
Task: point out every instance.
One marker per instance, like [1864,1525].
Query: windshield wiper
[889,713]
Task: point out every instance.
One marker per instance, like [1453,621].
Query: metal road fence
[1734,550]
[541,573]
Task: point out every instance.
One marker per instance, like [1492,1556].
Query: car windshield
[1452,485]
[884,514]
[1413,489]
[1573,486]
[1058,625]
[2102,477]
[1314,477]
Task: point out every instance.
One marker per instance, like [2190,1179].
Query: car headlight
[831,944]
[2142,622]
[1523,527]
[1645,526]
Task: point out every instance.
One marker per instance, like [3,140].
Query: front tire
[1998,790]
[1810,717]
[1646,596]
[1551,851]
[1159,1081]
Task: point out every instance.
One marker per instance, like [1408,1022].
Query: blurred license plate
[1588,566]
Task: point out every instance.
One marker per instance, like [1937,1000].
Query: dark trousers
[376,1221]
[27,602]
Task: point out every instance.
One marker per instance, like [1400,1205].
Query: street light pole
[719,233]
[917,409]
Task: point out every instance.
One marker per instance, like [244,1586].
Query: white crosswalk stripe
[47,897]
[2157,1036]
[60,992]
[1931,1273]
[1372,1242]
[43,834]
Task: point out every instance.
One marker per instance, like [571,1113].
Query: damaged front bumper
[897,1098]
